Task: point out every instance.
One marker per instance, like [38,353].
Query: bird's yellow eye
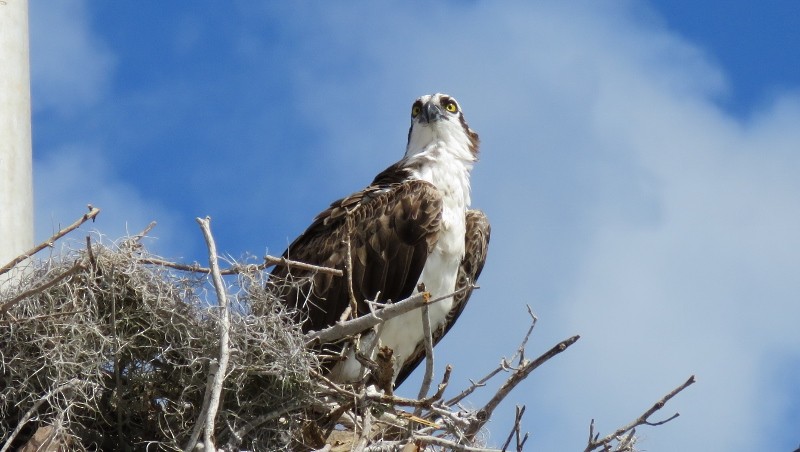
[415,110]
[451,107]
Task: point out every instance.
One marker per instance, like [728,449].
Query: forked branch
[390,311]
[93,211]
[269,261]
[484,414]
[595,442]
[220,368]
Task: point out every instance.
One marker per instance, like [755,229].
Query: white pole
[16,179]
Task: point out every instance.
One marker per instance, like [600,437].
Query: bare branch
[236,436]
[269,261]
[41,288]
[428,338]
[213,368]
[144,232]
[364,434]
[403,401]
[353,307]
[524,343]
[451,445]
[328,382]
[515,431]
[33,410]
[224,328]
[22,422]
[595,443]
[477,384]
[390,311]
[501,367]
[93,211]
[516,377]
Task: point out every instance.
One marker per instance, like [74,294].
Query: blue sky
[639,165]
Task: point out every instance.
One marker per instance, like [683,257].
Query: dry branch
[29,414]
[517,376]
[40,288]
[363,323]
[595,442]
[426,331]
[221,368]
[519,355]
[269,261]
[93,211]
[515,432]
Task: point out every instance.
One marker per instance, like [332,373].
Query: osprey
[411,226]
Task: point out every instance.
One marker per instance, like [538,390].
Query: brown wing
[392,229]
[477,245]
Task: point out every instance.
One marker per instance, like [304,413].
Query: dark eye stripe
[447,101]
[417,107]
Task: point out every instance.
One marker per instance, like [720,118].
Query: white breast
[448,170]
[450,175]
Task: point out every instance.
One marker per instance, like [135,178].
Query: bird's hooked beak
[431,113]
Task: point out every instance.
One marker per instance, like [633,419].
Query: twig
[328,382]
[521,348]
[93,211]
[426,331]
[353,308]
[351,327]
[213,368]
[90,253]
[483,415]
[10,303]
[515,431]
[28,414]
[236,436]
[595,443]
[417,403]
[269,261]
[503,364]
[364,434]
[117,368]
[144,232]
[224,333]
[451,445]
[371,344]
[22,422]
[475,385]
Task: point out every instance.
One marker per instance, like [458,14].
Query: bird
[411,229]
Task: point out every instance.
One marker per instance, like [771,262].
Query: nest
[117,353]
[107,347]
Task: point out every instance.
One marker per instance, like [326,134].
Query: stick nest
[116,356]
[107,347]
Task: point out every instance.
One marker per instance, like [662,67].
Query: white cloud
[70,67]
[626,205]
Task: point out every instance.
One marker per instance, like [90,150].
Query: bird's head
[438,119]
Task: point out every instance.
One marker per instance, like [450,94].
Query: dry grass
[116,356]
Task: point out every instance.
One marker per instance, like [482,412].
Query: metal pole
[16,178]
